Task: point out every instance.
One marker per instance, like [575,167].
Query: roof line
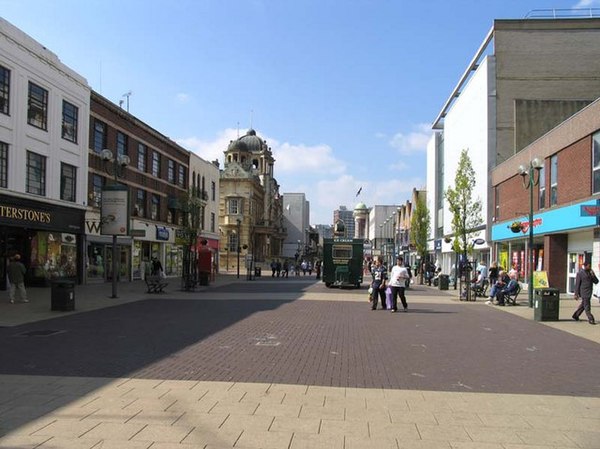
[463,79]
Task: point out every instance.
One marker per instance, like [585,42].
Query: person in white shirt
[398,278]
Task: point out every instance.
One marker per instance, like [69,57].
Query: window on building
[233,242]
[202,217]
[3,164]
[68,182]
[99,136]
[69,121]
[181,178]
[36,174]
[96,194]
[140,203]
[171,216]
[234,206]
[156,164]
[542,189]
[596,163]
[155,208]
[171,171]
[553,180]
[121,143]
[37,106]
[4,90]
[213,190]
[212,222]
[142,152]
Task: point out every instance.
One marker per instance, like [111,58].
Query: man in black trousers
[584,283]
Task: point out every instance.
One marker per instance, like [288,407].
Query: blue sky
[343,91]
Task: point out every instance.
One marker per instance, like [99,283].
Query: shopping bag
[370,291]
[388,297]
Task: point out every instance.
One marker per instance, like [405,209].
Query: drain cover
[39,333]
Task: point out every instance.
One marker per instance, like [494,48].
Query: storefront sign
[38,215]
[437,244]
[115,210]
[590,211]
[162,233]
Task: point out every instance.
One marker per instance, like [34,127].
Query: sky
[343,91]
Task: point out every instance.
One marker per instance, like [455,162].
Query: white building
[44,121]
[204,179]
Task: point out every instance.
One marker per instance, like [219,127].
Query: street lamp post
[531,177]
[118,167]
[239,248]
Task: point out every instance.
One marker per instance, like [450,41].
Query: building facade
[156,178]
[44,112]
[527,77]
[296,215]
[250,206]
[566,202]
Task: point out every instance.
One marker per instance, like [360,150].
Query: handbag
[388,297]
[370,291]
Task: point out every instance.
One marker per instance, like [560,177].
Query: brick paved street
[263,349]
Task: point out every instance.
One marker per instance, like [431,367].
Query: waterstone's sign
[32,214]
[19,213]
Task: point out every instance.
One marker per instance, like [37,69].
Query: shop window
[68,181]
[4,90]
[69,121]
[142,153]
[37,107]
[96,193]
[36,174]
[95,265]
[553,180]
[3,164]
[121,144]
[542,189]
[99,136]
[53,255]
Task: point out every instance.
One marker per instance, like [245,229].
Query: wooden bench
[155,284]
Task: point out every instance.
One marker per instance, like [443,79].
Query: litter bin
[62,295]
[257,271]
[546,302]
[443,281]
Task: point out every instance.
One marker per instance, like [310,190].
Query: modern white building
[204,179]
[526,77]
[44,120]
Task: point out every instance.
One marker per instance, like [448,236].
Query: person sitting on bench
[510,289]
[502,282]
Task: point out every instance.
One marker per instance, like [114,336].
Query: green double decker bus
[343,262]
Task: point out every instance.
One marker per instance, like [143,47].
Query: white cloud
[212,149]
[587,3]
[183,98]
[413,142]
[300,158]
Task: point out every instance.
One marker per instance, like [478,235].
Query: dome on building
[361,207]
[252,141]
[237,145]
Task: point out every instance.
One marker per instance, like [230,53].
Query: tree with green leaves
[465,210]
[420,226]
[190,206]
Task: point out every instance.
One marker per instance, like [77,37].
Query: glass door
[575,262]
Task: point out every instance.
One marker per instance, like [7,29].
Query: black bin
[546,304]
[443,281]
[62,295]
[257,271]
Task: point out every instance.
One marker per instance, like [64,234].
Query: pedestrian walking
[398,277]
[378,285]
[156,267]
[584,284]
[16,277]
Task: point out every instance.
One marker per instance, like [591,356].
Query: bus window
[341,251]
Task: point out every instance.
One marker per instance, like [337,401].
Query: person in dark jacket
[584,284]
[16,276]
[379,284]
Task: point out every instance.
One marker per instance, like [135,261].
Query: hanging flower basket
[447,239]
[516,227]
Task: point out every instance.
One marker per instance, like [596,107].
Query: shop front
[48,237]
[157,241]
[563,238]
[98,253]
